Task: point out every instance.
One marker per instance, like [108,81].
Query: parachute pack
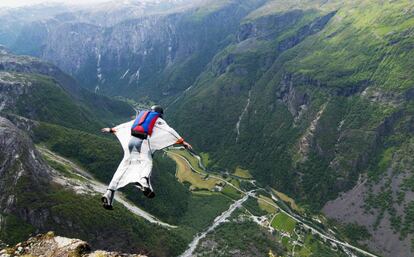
[144,123]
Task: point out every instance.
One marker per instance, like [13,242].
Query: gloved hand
[108,130]
[187,146]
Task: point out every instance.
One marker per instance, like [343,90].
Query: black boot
[108,199]
[145,187]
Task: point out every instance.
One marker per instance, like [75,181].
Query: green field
[242,173]
[264,201]
[191,159]
[231,192]
[283,222]
[205,159]
[288,200]
[185,174]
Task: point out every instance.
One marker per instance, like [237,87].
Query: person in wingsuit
[140,138]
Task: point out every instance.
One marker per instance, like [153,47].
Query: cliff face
[23,173]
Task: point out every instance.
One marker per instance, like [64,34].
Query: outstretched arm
[108,130]
[182,142]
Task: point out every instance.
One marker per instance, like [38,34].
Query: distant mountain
[134,49]
[38,90]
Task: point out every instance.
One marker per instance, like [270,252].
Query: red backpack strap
[143,118]
[152,124]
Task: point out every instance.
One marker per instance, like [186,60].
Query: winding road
[294,217]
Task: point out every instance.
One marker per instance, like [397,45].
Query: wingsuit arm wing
[163,136]
[123,133]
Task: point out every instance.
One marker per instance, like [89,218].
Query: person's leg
[108,199]
[126,172]
[144,182]
[116,183]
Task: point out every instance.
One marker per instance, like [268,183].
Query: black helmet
[157,108]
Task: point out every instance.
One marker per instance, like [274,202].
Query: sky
[16,3]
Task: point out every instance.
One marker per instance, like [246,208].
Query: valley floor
[266,213]
[296,233]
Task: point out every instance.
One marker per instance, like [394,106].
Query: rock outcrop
[55,246]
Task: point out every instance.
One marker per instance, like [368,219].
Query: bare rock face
[11,64]
[21,170]
[55,246]
[18,159]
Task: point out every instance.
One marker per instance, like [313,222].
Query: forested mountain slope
[316,101]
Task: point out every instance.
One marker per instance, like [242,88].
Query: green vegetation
[75,215]
[205,159]
[327,82]
[15,229]
[251,240]
[242,173]
[354,232]
[65,170]
[313,247]
[202,210]
[288,200]
[187,155]
[145,237]
[99,155]
[253,207]
[283,222]
[185,174]
[46,101]
[264,204]
[231,192]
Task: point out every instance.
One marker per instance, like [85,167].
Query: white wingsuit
[137,161]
